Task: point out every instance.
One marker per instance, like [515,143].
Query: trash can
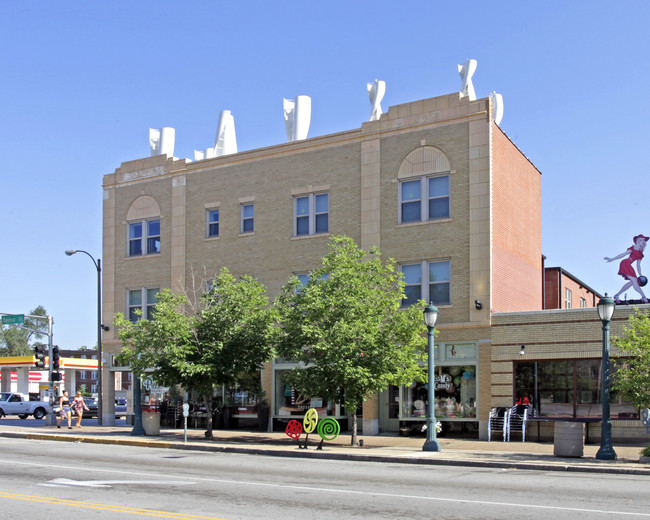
[569,439]
[151,423]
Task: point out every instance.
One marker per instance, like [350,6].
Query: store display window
[289,402]
[455,395]
[569,387]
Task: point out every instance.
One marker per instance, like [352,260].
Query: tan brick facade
[491,239]
[553,335]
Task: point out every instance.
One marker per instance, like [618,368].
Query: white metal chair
[498,422]
[518,417]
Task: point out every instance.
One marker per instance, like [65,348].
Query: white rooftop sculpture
[497,107]
[297,117]
[376,93]
[161,141]
[466,72]
[225,142]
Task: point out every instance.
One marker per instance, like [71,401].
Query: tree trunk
[208,410]
[354,428]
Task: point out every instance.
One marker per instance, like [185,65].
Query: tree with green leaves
[226,336]
[15,340]
[632,379]
[347,329]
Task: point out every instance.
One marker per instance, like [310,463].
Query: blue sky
[84,81]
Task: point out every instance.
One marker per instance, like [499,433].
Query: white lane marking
[66,482]
[344,491]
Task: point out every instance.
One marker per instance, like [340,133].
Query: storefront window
[289,402]
[455,395]
[566,388]
[241,399]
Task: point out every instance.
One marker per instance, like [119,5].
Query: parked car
[91,403]
[120,407]
[21,405]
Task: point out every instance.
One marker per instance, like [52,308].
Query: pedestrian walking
[64,405]
[78,407]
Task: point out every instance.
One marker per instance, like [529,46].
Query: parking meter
[186,412]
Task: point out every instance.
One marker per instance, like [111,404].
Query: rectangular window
[141,303]
[135,239]
[247,218]
[311,214]
[212,223]
[567,298]
[570,388]
[141,243]
[153,237]
[426,198]
[437,288]
[583,303]
[413,280]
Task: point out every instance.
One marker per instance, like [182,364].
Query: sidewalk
[382,448]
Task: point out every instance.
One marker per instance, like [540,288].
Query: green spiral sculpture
[328,429]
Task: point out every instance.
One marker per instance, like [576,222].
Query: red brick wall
[556,282]
[516,228]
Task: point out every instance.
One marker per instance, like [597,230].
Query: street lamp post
[430,318]
[98,265]
[606,308]
[138,428]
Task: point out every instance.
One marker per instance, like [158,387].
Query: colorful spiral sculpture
[329,429]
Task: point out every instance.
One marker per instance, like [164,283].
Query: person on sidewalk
[64,405]
[78,407]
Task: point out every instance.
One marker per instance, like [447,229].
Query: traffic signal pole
[39,353]
[50,420]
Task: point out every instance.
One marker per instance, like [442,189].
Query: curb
[325,455]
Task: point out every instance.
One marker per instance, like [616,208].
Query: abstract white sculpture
[226,141]
[161,141]
[297,117]
[376,93]
[466,72]
[497,107]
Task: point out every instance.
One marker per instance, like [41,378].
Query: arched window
[143,227]
[424,192]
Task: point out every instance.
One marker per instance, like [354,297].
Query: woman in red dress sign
[626,270]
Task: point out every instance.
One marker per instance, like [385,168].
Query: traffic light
[39,354]
[55,358]
[56,376]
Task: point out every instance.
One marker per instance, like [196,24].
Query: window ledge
[316,235]
[140,257]
[422,222]
[249,234]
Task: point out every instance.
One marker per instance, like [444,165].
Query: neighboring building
[435,184]
[562,290]
[81,378]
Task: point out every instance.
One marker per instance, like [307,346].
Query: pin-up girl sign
[626,269]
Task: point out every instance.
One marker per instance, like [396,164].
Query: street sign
[13,319]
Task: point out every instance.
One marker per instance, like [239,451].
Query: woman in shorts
[64,405]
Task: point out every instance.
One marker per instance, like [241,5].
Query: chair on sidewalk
[498,422]
[518,417]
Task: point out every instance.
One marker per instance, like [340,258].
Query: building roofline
[575,279]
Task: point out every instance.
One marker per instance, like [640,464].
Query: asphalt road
[45,480]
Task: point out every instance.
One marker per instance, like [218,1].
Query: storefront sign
[443,382]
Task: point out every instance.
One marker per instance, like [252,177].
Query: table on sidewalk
[586,420]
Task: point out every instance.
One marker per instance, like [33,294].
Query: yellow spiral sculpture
[310,420]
